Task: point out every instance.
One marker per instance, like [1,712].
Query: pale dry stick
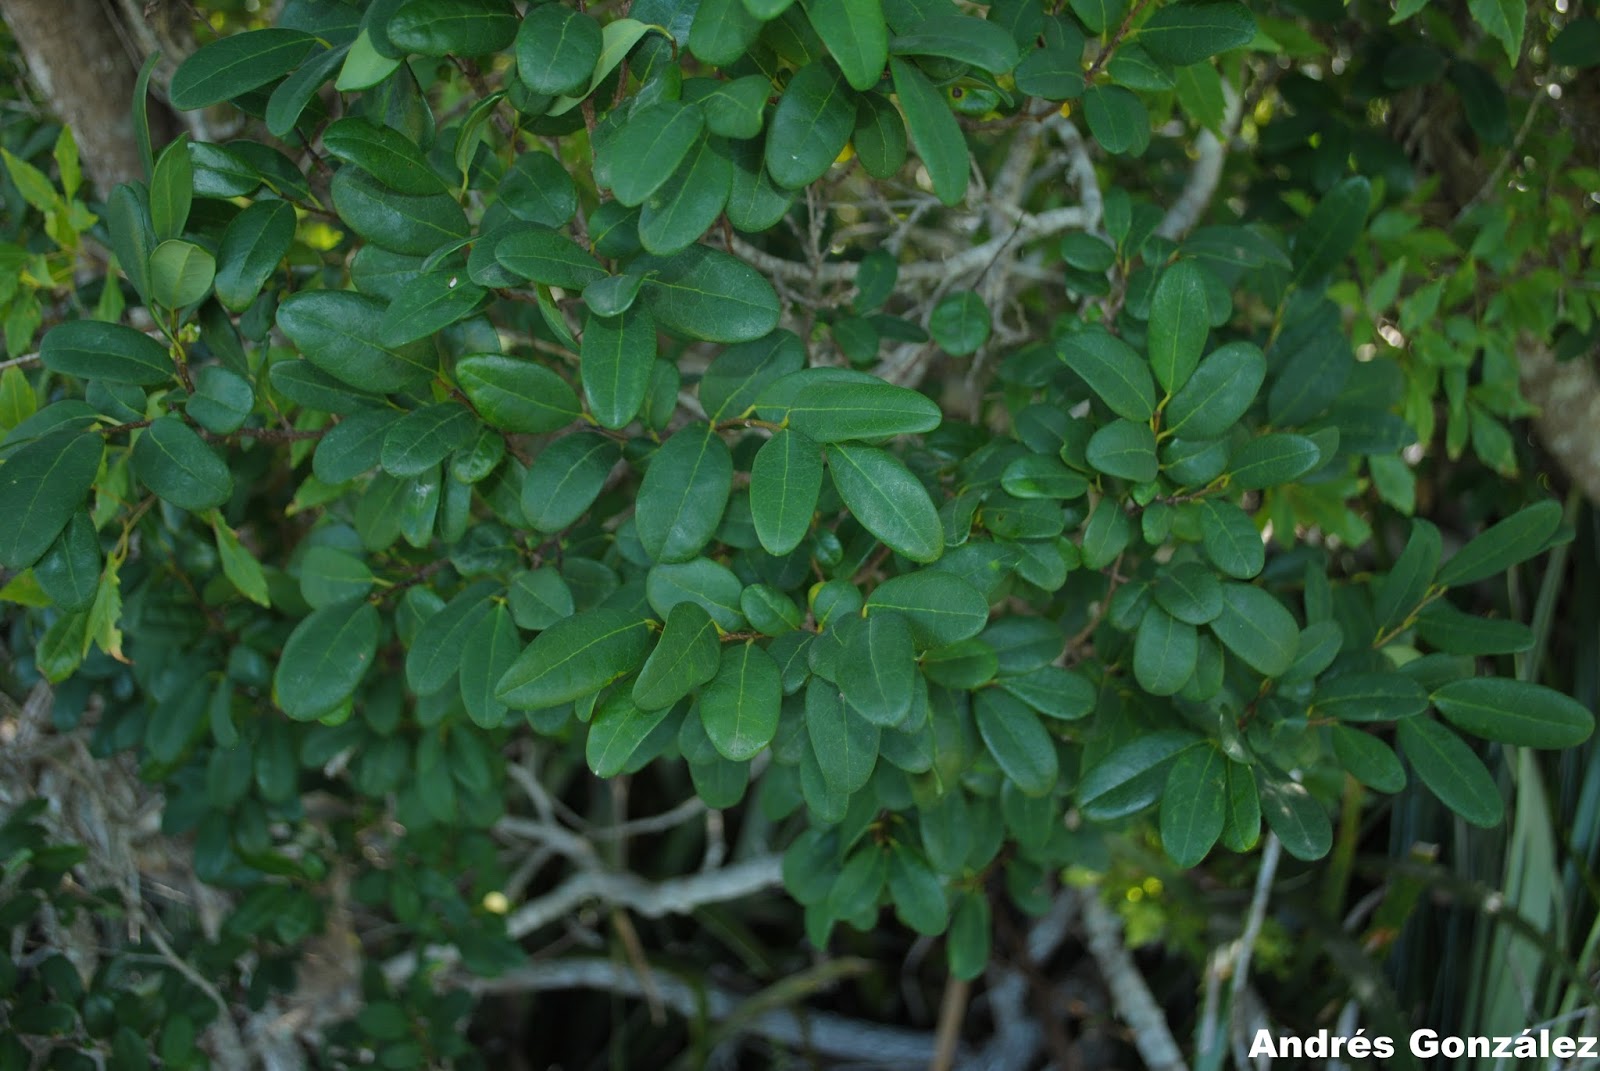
[1152,1035]
[820,1033]
[1271,853]
[952,1012]
[1210,154]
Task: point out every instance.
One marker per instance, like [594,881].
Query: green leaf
[434,654]
[1131,777]
[1368,759]
[1513,540]
[325,658]
[1448,629]
[352,446]
[1256,627]
[69,572]
[1504,20]
[1186,33]
[1194,805]
[288,101]
[616,734]
[428,304]
[398,222]
[968,948]
[1230,539]
[964,665]
[960,323]
[887,499]
[1402,588]
[845,743]
[683,494]
[1578,44]
[1272,460]
[1179,324]
[175,463]
[919,898]
[1242,825]
[733,109]
[1365,697]
[239,565]
[1034,476]
[810,126]
[171,190]
[329,576]
[618,353]
[253,245]
[180,274]
[934,131]
[737,376]
[1189,592]
[1054,72]
[453,27]
[1017,740]
[941,608]
[722,31]
[710,295]
[739,707]
[1451,771]
[785,481]
[364,66]
[539,598]
[963,38]
[574,659]
[879,137]
[89,349]
[691,199]
[384,153]
[829,410]
[232,66]
[710,585]
[517,395]
[1057,693]
[426,436]
[338,330]
[547,256]
[1300,821]
[857,35]
[1514,712]
[1118,120]
[557,49]
[132,235]
[641,156]
[876,673]
[1111,368]
[1126,449]
[1164,652]
[566,478]
[686,657]
[1332,230]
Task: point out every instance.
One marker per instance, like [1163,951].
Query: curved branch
[820,1033]
[1210,153]
[1152,1036]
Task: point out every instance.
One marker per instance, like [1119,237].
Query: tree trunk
[76,57]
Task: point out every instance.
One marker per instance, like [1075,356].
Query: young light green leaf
[785,481]
[1514,712]
[180,274]
[684,493]
[887,499]
[238,564]
[574,659]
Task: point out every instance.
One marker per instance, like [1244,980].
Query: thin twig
[1152,1035]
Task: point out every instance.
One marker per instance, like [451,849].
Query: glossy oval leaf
[618,354]
[1451,770]
[810,126]
[574,659]
[566,478]
[686,656]
[887,499]
[1113,370]
[683,494]
[1194,805]
[934,131]
[739,707]
[325,658]
[42,486]
[514,394]
[90,349]
[785,481]
[1514,712]
[172,460]
[1255,626]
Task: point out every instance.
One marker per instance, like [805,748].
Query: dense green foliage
[518,386]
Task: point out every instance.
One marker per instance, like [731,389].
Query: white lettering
[1564,1048]
[1261,1045]
[1424,1043]
[1358,1047]
[1526,1048]
[1383,1048]
[1586,1047]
